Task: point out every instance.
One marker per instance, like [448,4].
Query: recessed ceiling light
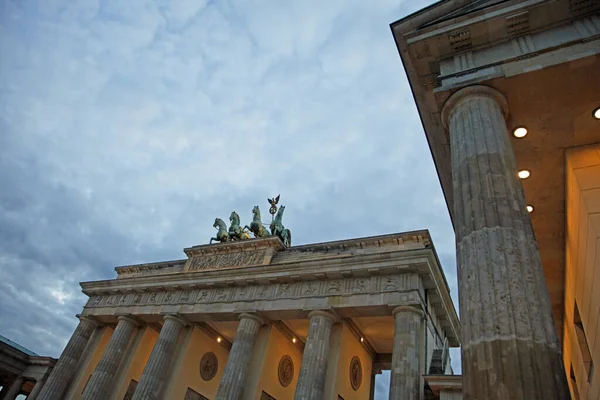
[294,340]
[520,132]
[596,113]
[529,208]
[219,339]
[524,173]
[362,340]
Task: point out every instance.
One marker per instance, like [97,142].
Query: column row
[405,377]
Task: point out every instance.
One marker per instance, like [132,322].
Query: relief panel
[228,260]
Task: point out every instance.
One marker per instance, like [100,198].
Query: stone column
[15,389]
[101,383]
[157,370]
[64,369]
[405,376]
[236,370]
[311,380]
[509,345]
[39,384]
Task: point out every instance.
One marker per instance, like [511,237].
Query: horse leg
[288,237]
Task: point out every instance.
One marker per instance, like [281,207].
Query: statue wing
[270,201]
[277,199]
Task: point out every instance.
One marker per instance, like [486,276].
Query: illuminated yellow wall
[344,346]
[187,371]
[142,350]
[582,271]
[91,364]
[278,346]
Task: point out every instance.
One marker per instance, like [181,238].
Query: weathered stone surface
[405,377]
[65,367]
[236,370]
[509,345]
[156,371]
[101,382]
[311,380]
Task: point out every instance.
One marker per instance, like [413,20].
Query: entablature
[355,277]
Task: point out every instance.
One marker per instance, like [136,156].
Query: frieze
[360,285]
[227,260]
[288,290]
[203,296]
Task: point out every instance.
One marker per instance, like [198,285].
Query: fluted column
[39,384]
[236,370]
[405,376]
[15,389]
[102,380]
[311,380]
[65,367]
[156,371]
[509,345]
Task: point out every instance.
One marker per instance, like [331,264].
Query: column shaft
[101,382]
[405,379]
[311,380]
[509,345]
[65,367]
[234,378]
[156,371]
[15,389]
[36,389]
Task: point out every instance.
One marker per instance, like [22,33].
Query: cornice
[364,264]
[246,253]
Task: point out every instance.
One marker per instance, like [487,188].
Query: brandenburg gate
[256,319]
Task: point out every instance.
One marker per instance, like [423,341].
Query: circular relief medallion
[286,370]
[209,364]
[355,373]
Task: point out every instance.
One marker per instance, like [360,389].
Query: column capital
[469,92]
[89,319]
[408,309]
[176,318]
[252,316]
[322,313]
[128,318]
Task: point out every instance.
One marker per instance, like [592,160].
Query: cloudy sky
[126,127]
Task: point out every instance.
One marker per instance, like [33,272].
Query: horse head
[256,213]
[279,214]
[219,224]
[234,218]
